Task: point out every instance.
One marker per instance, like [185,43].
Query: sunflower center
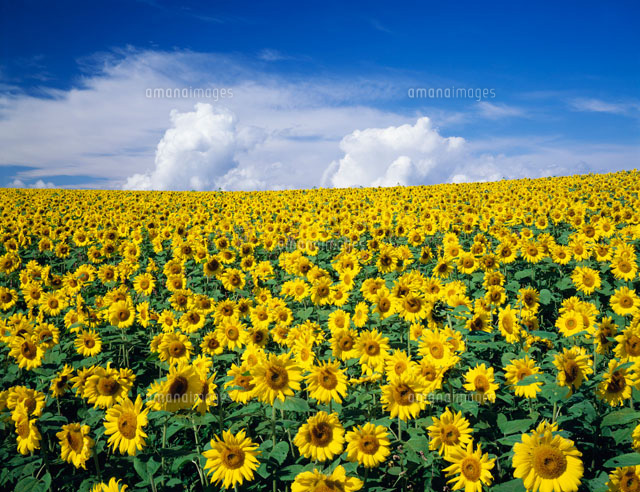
[28,350]
[413,305]
[6,297]
[384,305]
[257,337]
[404,395]
[400,367]
[372,348]
[346,343]
[22,427]
[321,434]
[178,387]
[177,349]
[128,425]
[571,370]
[194,318]
[232,333]
[471,468]
[588,280]
[108,386]
[429,373]
[75,440]
[617,384]
[328,379]
[626,302]
[123,314]
[277,377]
[232,457]
[369,444]
[522,373]
[89,343]
[629,482]
[632,345]
[624,266]
[244,382]
[549,462]
[450,434]
[213,343]
[481,383]
[437,350]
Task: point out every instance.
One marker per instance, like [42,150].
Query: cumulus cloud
[198,149]
[405,154]
[39,184]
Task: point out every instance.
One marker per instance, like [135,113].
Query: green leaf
[514,485]
[523,274]
[620,417]
[545,297]
[292,404]
[279,453]
[629,459]
[509,427]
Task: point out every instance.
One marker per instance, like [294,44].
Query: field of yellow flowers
[454,337]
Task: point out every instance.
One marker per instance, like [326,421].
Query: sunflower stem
[273,437]
[95,461]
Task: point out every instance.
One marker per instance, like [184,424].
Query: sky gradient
[316,93]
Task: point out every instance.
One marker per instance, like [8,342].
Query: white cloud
[406,154]
[279,132]
[39,184]
[195,152]
[599,106]
[496,111]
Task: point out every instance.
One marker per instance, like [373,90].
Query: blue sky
[318,93]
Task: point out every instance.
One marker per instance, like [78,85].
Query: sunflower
[27,351]
[327,382]
[344,344]
[76,444]
[232,459]
[573,367]
[433,346]
[175,348]
[617,384]
[8,298]
[315,481]
[372,348]
[321,437]
[413,308]
[481,381]
[397,363]
[52,303]
[625,479]
[122,314]
[570,323]
[607,330]
[628,348]
[448,432]
[547,462]
[105,387]
[473,469]
[112,486]
[211,344]
[32,400]
[180,389]
[520,369]
[384,304]
[88,343]
[404,397]
[529,300]
[509,326]
[207,397]
[338,320]
[123,423]
[276,377]
[368,445]
[624,268]
[240,387]
[192,320]
[232,334]
[625,302]
[586,280]
[28,435]
[62,382]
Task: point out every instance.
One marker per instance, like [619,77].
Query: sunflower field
[471,337]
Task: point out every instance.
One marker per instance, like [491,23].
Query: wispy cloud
[379,26]
[497,111]
[600,106]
